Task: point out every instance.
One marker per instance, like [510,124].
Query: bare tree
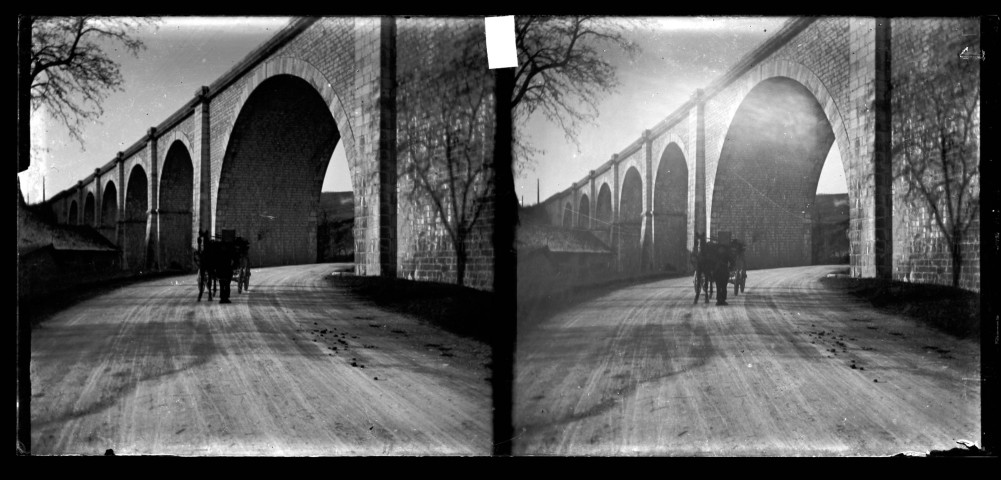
[446,145]
[563,70]
[69,72]
[936,137]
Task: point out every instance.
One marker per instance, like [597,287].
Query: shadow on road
[538,306]
[673,349]
[948,309]
[158,357]
[40,308]
[460,310]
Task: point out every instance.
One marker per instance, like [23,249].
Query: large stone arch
[302,69]
[584,212]
[175,202]
[768,168]
[629,227]
[670,210]
[136,215]
[272,171]
[804,76]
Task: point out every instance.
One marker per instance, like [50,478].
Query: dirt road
[295,367]
[788,368]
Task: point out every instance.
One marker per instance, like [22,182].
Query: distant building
[53,258]
[552,259]
[335,240]
[830,216]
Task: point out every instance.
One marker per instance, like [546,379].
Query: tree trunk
[460,263]
[956,252]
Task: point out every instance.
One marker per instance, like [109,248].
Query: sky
[678,55]
[182,54]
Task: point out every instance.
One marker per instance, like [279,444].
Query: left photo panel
[256,236]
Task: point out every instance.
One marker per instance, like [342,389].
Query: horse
[243,265]
[703,260]
[721,263]
[738,274]
[204,261]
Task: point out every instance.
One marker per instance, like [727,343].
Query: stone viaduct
[745,154]
[249,152]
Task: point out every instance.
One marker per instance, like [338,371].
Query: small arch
[109,205]
[136,214]
[72,218]
[584,212]
[175,203]
[89,210]
[629,227]
[670,210]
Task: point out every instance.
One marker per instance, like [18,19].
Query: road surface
[294,367]
[788,368]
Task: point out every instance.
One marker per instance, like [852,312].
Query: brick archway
[136,214]
[629,227]
[805,77]
[272,171]
[567,216]
[671,209]
[175,206]
[584,212]
[304,70]
[89,210]
[767,172]
[109,211]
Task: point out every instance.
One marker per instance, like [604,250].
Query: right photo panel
[747,236]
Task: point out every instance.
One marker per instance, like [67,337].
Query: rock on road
[788,368]
[294,367]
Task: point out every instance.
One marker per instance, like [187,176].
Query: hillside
[33,233]
[335,227]
[337,205]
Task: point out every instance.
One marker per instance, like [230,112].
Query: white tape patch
[501,52]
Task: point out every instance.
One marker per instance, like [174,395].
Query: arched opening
[567,216]
[273,171]
[670,211]
[630,224]
[134,224]
[109,212]
[175,208]
[602,225]
[584,212]
[335,240]
[88,210]
[72,218]
[830,216]
[768,171]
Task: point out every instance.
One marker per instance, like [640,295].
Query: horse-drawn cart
[217,259]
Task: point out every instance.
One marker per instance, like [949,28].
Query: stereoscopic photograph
[526,235]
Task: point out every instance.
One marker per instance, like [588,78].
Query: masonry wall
[768,190]
[443,79]
[342,51]
[923,48]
